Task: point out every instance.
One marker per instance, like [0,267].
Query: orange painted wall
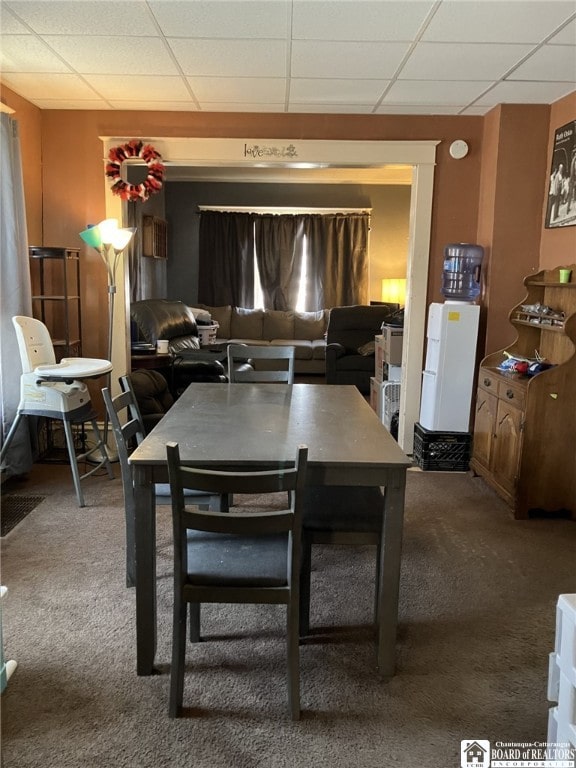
[558,245]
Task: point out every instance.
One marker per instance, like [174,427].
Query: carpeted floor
[478,595]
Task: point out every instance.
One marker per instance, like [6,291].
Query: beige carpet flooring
[477,621]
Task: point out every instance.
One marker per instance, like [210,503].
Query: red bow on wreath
[154,179]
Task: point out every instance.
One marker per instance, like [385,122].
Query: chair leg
[178,658]
[305,576]
[194,622]
[10,436]
[73,462]
[293,650]
[102,448]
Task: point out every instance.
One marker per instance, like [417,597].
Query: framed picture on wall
[561,207]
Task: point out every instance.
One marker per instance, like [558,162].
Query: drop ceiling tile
[444,92]
[328,91]
[223,19]
[232,58]
[209,106]
[346,60]
[551,62]
[133,87]
[113,55]
[63,17]
[9,24]
[25,53]
[504,21]
[349,20]
[566,36]
[81,104]
[461,61]
[154,106]
[417,109]
[234,89]
[48,86]
[331,109]
[519,92]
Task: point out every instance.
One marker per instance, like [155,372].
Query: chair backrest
[270,352]
[34,343]
[291,478]
[124,433]
[151,396]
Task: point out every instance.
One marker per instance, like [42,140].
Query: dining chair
[280,358]
[237,557]
[128,429]
[338,514]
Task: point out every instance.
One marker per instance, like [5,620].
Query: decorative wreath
[153,182]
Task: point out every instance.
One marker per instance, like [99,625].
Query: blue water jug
[461,275]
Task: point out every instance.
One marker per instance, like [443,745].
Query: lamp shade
[121,238]
[91,236]
[394,290]
[108,229]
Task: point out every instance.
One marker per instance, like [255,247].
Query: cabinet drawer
[514,394]
[488,381]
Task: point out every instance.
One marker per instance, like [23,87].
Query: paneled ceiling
[360,57]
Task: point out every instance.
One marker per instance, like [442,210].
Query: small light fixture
[394,290]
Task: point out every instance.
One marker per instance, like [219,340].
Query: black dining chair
[338,514]
[278,363]
[237,557]
[128,430]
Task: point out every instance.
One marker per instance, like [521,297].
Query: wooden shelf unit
[55,276]
[525,426]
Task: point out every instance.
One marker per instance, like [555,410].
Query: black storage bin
[442,451]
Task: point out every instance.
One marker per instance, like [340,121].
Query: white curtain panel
[15,291]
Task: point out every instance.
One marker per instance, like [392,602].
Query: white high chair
[56,391]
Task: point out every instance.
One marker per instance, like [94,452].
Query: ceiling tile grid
[326,56]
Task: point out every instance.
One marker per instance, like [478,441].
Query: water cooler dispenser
[452,333]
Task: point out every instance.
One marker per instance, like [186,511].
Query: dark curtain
[337,265]
[279,254]
[338,258]
[226,259]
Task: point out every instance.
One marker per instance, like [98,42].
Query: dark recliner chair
[349,329]
[173,320]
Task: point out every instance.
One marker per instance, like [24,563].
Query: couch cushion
[318,349]
[278,324]
[302,348]
[220,315]
[182,343]
[246,323]
[310,325]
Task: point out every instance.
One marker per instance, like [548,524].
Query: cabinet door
[484,426]
[507,445]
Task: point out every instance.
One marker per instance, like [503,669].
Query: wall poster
[561,208]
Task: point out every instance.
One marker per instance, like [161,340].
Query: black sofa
[349,330]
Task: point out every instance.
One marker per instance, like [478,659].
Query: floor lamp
[109,240]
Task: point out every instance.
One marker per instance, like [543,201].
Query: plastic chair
[56,391]
[338,514]
[235,557]
[128,429]
[242,352]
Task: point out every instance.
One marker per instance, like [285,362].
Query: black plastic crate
[442,451]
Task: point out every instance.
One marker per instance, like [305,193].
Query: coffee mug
[565,275]
[162,346]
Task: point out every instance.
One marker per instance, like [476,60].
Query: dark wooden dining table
[259,425]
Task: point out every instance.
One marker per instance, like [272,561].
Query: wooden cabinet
[525,426]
